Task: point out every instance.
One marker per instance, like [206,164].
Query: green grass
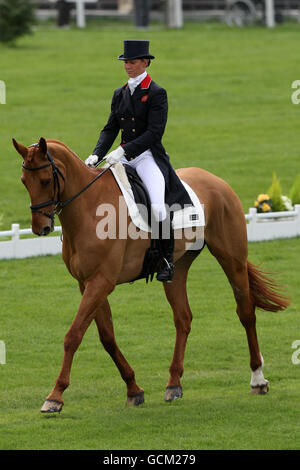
[231,113]
[217,410]
[230,108]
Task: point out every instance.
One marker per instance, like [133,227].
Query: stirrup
[166,273]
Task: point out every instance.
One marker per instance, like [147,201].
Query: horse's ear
[43,145]
[23,151]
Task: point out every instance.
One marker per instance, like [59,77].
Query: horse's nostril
[45,231]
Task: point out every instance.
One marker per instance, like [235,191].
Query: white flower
[287,203]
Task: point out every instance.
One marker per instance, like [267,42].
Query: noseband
[58,203]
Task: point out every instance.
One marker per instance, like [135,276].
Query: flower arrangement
[275,201]
[263,203]
[287,203]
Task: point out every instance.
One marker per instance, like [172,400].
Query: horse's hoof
[172,393]
[136,399]
[260,389]
[52,406]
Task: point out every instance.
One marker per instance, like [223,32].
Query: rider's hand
[115,156]
[92,160]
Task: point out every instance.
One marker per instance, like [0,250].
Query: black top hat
[136,50]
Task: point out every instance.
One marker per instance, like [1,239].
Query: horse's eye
[45,183]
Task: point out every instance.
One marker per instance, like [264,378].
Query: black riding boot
[165,270]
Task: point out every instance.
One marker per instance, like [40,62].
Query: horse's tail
[264,291]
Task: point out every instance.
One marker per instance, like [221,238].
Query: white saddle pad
[191,216]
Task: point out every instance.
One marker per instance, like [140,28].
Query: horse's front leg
[177,297]
[135,394]
[95,293]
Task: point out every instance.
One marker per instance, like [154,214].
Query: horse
[59,182]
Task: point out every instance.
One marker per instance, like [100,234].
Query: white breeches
[153,179]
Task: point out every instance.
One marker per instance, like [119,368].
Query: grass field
[217,410]
[231,113]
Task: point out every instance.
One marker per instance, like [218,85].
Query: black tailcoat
[142,118]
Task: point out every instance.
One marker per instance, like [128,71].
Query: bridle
[58,203]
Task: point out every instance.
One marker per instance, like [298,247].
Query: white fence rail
[17,247]
[260,227]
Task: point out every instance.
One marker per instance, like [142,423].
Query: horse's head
[44,183]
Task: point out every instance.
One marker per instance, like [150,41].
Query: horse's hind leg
[177,297]
[246,313]
[103,319]
[236,269]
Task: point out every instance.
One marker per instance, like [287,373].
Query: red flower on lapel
[144,98]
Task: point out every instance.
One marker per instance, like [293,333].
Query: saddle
[138,202]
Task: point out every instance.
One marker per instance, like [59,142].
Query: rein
[59,204]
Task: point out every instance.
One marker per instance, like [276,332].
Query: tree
[16,19]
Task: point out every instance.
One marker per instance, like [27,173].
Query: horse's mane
[58,142]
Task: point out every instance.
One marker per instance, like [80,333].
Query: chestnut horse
[59,182]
